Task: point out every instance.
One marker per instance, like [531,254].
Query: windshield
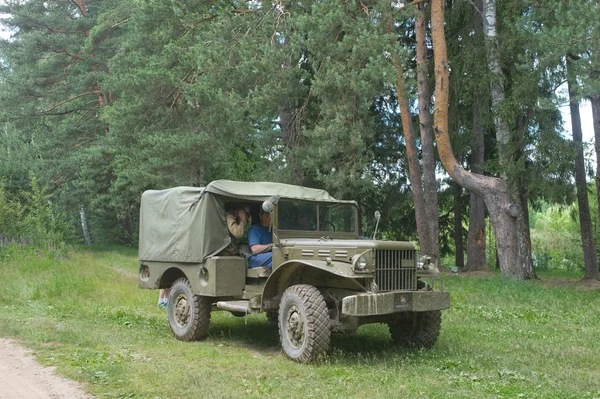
[311,216]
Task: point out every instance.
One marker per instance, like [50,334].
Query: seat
[259,272]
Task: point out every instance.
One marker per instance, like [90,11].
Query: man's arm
[236,229]
[254,241]
[261,248]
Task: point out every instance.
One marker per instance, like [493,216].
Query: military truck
[325,277]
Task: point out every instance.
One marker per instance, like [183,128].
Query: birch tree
[494,191]
[523,266]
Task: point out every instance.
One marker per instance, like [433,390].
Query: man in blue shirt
[260,241]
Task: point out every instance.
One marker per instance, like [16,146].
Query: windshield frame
[284,233]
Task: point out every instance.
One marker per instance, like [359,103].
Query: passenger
[236,224]
[163,298]
[260,241]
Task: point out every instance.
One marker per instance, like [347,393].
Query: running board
[236,306]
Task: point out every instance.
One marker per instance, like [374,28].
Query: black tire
[189,314]
[303,323]
[416,329]
[273,318]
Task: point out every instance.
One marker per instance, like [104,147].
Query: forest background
[101,100]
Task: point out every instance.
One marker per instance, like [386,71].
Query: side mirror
[268,206]
[377,217]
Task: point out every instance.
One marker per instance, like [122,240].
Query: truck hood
[328,243]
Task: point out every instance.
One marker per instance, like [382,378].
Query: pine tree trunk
[290,133]
[458,229]
[286,124]
[84,225]
[414,169]
[503,211]
[476,238]
[520,194]
[585,222]
[429,180]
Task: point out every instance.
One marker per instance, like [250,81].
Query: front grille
[395,270]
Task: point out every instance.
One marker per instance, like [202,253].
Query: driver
[260,241]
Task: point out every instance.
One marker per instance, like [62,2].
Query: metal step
[236,306]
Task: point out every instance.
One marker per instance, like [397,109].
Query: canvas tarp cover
[172,230]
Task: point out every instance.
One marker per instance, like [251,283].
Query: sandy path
[22,377]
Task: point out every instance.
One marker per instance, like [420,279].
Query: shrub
[35,222]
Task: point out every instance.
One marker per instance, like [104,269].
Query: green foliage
[11,215]
[490,246]
[105,102]
[555,238]
[35,222]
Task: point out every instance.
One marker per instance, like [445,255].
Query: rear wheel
[189,314]
[416,329]
[303,323]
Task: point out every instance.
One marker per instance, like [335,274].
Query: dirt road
[22,377]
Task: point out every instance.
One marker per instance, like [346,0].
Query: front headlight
[361,265]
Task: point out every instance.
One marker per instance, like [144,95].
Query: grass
[501,339]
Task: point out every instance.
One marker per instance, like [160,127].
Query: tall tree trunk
[520,190]
[414,169]
[476,239]
[585,222]
[595,100]
[458,228]
[429,180]
[84,225]
[524,259]
[503,211]
[287,125]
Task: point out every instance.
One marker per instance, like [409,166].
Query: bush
[35,222]
[555,240]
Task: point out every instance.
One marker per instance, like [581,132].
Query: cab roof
[261,191]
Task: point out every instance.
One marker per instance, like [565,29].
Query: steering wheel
[327,222]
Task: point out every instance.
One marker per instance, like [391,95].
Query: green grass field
[501,339]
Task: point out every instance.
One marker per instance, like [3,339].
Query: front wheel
[416,329]
[303,323]
[189,314]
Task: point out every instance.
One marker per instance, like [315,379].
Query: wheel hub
[295,326]
[182,310]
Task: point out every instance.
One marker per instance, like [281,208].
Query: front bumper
[393,302]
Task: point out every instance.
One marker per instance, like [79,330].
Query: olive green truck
[325,277]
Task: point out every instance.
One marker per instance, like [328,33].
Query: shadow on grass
[256,334]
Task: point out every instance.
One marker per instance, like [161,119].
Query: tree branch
[120,23]
[475,7]
[80,7]
[81,143]
[69,54]
[80,118]
[363,7]
[70,99]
